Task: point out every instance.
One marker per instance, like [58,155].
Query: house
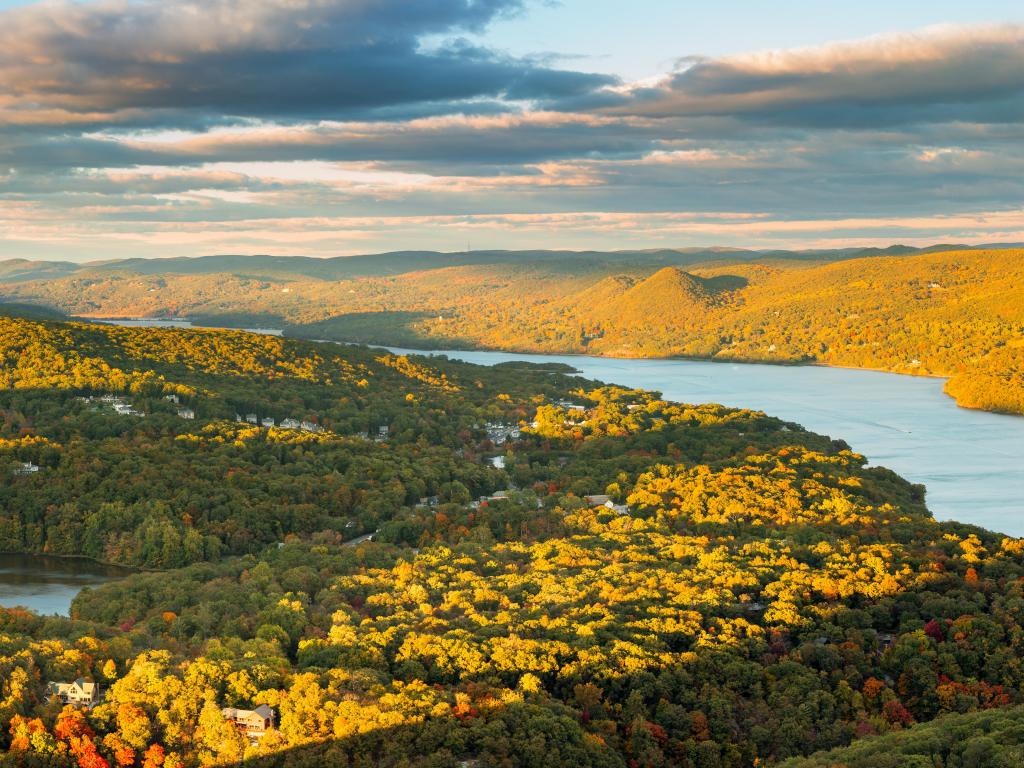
[186,413]
[26,468]
[569,405]
[597,500]
[496,496]
[309,426]
[79,693]
[125,409]
[252,418]
[268,422]
[254,723]
[498,462]
[382,434]
[499,434]
[618,509]
[290,424]
[173,399]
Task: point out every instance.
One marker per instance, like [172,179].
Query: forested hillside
[955,314]
[990,739]
[636,582]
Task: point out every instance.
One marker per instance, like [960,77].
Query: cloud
[939,74]
[338,126]
[120,61]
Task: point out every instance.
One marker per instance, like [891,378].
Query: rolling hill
[956,314]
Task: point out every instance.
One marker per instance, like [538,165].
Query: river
[47,585]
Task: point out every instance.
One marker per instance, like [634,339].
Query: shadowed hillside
[993,739]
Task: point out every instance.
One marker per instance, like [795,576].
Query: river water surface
[48,584]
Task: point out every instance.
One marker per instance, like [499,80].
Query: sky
[332,127]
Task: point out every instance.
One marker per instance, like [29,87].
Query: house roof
[262,712]
[84,685]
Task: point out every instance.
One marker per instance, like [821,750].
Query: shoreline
[129,569]
[283,333]
[668,358]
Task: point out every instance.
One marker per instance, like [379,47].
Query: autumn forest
[420,562]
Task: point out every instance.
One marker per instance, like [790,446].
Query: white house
[618,509]
[125,409]
[186,413]
[78,693]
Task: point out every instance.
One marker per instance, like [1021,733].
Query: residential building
[26,468]
[268,422]
[496,496]
[125,409]
[254,723]
[186,413]
[499,434]
[80,693]
[252,418]
[290,424]
[618,509]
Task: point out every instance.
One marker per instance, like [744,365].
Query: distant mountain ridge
[403,262]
